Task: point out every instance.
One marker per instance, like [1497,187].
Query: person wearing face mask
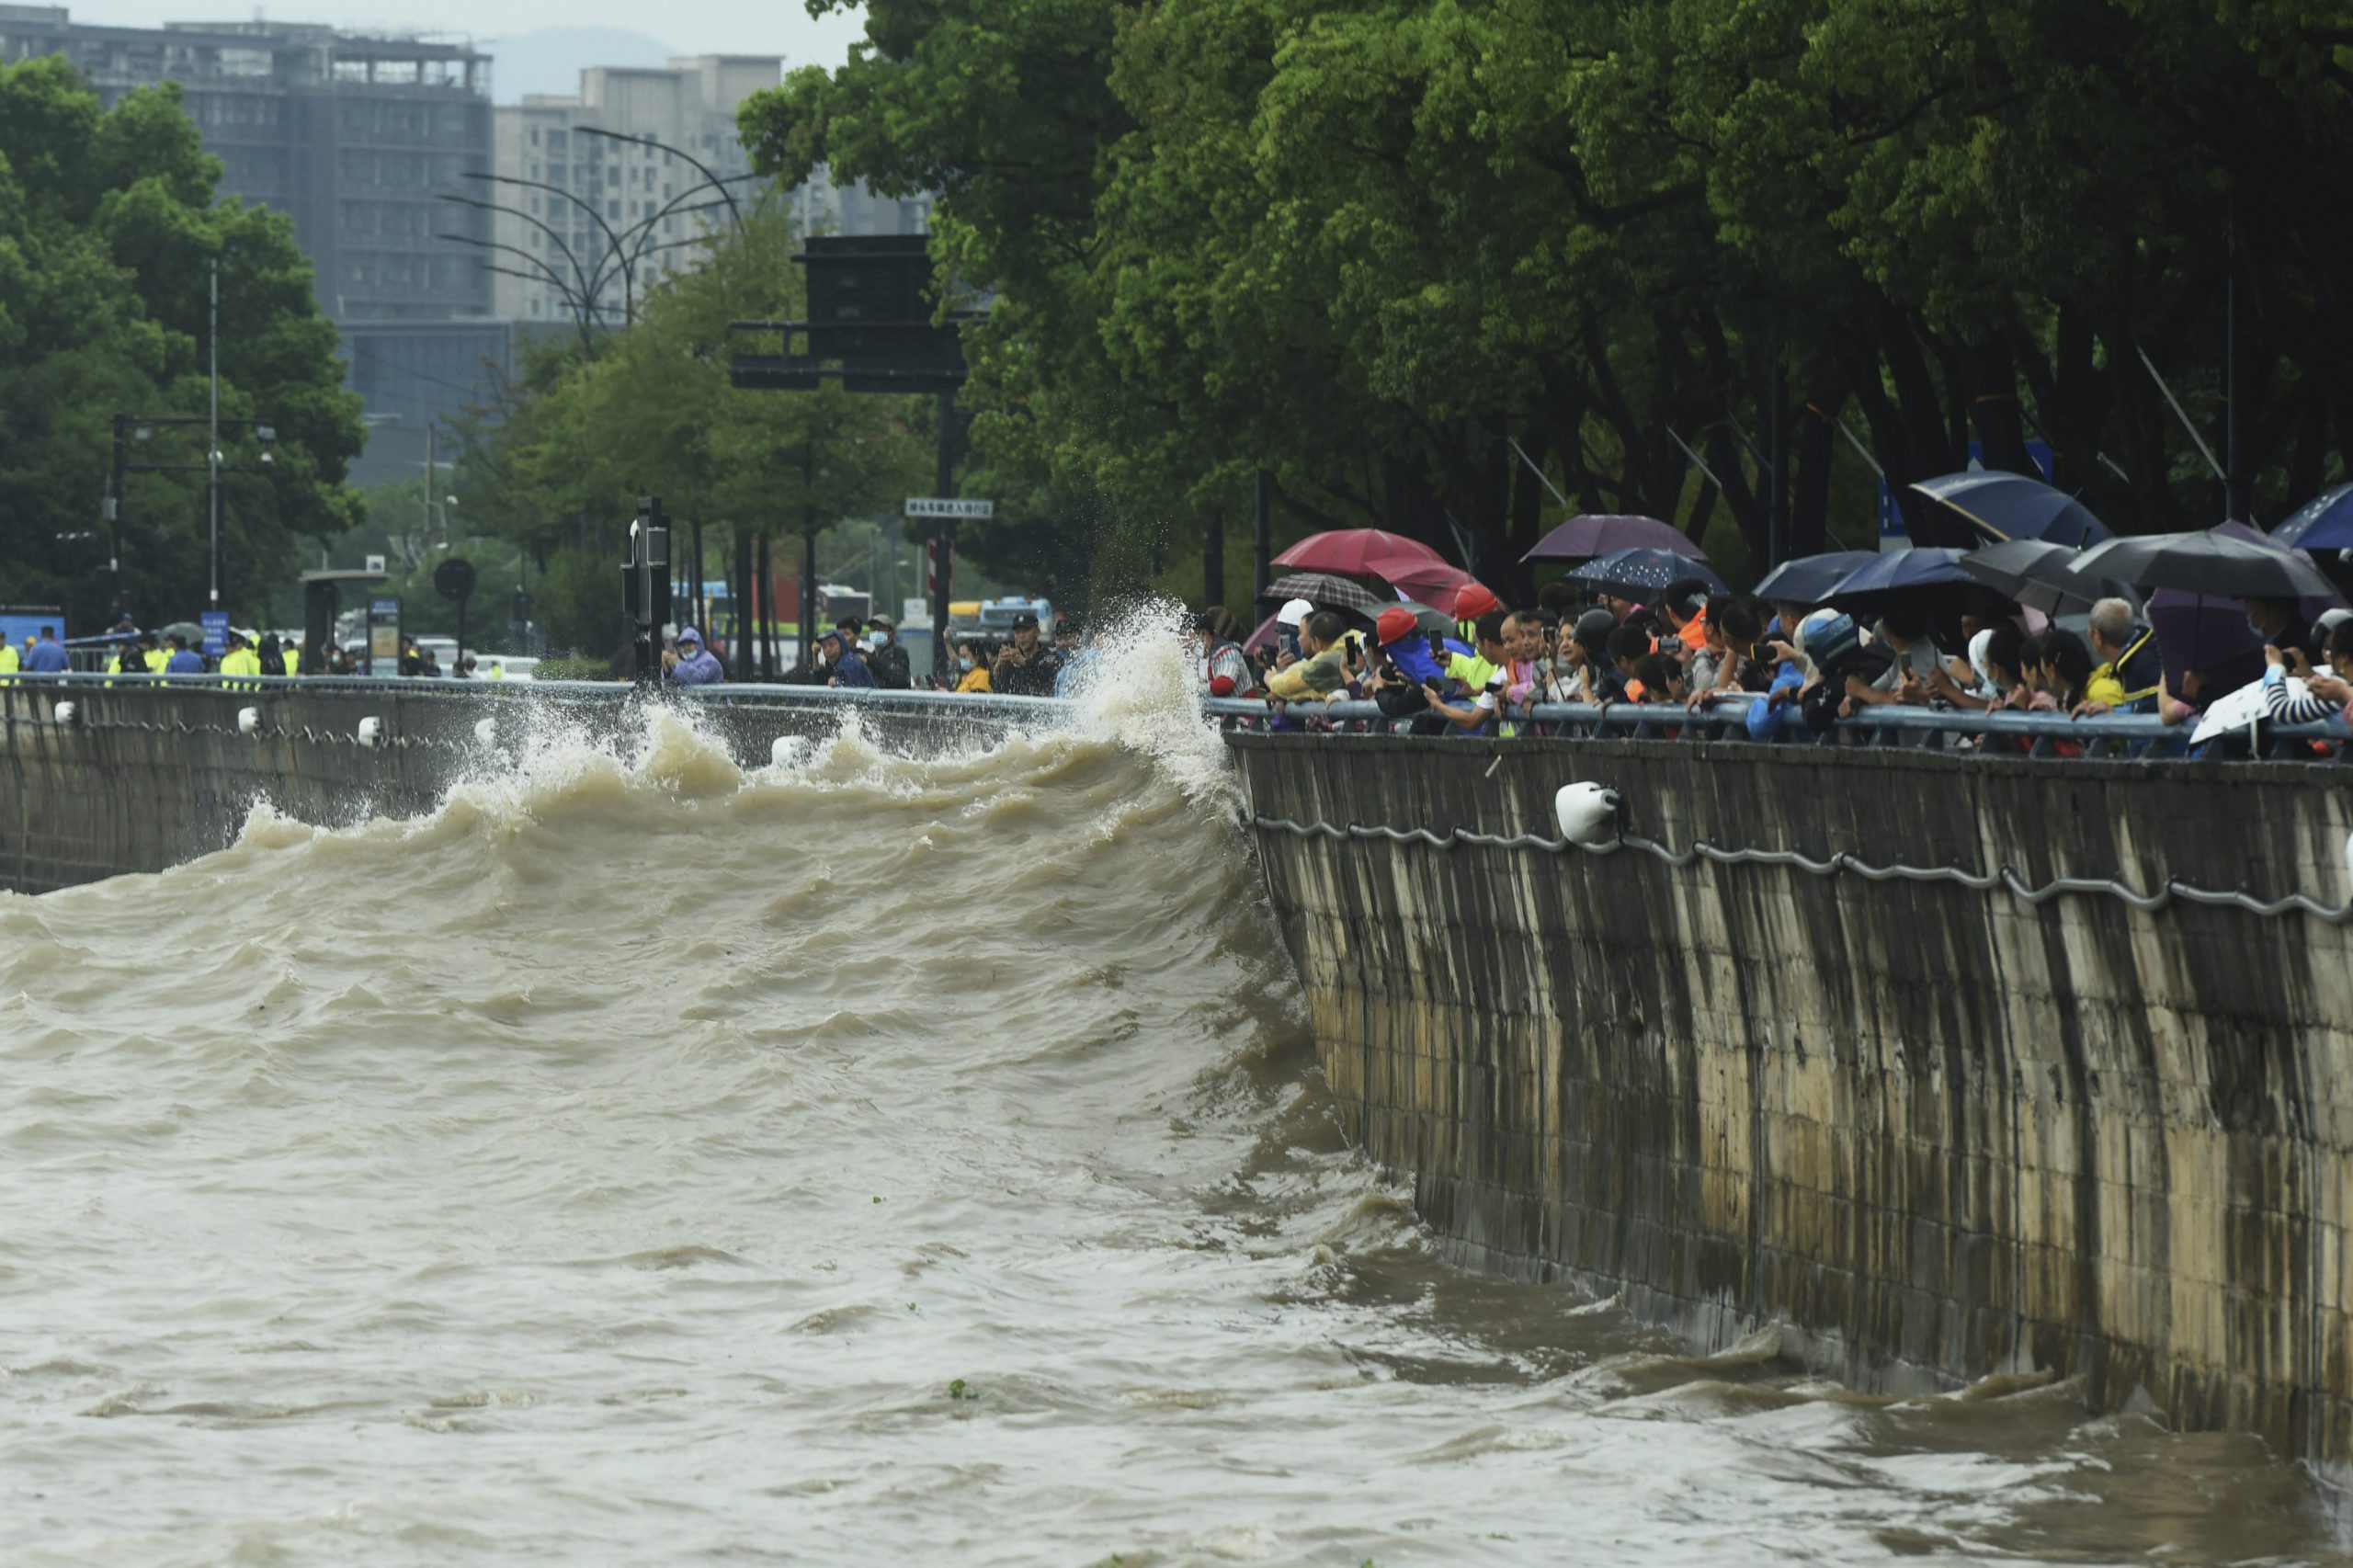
[886,655]
[2280,623]
[689,663]
[972,674]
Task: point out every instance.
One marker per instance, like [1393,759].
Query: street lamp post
[699,166]
[624,249]
[212,442]
[135,427]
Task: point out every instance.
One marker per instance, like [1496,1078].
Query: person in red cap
[1473,602]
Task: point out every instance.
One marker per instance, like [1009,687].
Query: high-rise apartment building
[349,136]
[592,219]
[353,138]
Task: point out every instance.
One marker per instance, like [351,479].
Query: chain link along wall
[1950,1066]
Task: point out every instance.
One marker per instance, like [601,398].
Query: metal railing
[2008,733]
[1959,731]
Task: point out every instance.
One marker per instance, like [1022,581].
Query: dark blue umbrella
[1809,578]
[1641,570]
[2323,524]
[2010,505]
[1898,571]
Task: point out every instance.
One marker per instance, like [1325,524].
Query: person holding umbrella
[2280,623]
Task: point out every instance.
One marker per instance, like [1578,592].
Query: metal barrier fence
[1722,722]
[1928,729]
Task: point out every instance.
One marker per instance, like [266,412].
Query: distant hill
[551,60]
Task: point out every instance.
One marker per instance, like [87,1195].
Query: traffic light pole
[943,483]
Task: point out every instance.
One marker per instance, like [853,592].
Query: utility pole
[115,478]
[1261,567]
[2231,476]
[943,477]
[1777,446]
[1213,563]
[213,446]
[431,480]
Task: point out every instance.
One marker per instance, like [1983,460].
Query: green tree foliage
[558,463]
[108,231]
[1368,245]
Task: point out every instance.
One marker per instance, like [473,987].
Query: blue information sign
[216,632]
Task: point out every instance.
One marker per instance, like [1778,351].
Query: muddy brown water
[868,1159]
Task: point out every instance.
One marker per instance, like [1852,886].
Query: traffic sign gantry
[949,506]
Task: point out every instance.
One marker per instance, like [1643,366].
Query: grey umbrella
[2038,573]
[1429,618]
[2204,561]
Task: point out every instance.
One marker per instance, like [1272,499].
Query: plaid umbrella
[1645,569]
[1326,592]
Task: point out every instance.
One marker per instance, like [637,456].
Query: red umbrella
[1448,588]
[1348,551]
[1604,533]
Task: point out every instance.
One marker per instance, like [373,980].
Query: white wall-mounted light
[371,732]
[1588,812]
[248,721]
[65,712]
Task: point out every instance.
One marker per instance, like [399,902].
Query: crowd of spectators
[1684,647]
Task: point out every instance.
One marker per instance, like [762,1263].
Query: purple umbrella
[2207,635]
[1601,533]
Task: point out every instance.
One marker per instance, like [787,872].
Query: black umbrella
[2001,506]
[2037,573]
[2205,561]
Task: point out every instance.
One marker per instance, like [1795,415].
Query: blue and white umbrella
[1646,570]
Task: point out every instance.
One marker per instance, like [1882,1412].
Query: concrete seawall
[1940,1132]
[146,776]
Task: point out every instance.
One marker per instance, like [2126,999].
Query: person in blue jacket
[848,668]
[46,657]
[691,663]
[185,660]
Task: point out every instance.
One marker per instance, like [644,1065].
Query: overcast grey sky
[688,26]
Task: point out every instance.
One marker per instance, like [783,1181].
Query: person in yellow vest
[240,660]
[290,655]
[497,671]
[9,659]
